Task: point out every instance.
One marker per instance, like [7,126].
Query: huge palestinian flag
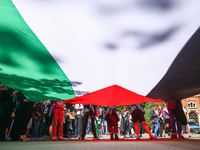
[51,49]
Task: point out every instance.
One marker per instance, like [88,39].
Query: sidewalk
[144,136]
[107,137]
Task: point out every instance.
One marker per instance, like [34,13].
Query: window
[191,105]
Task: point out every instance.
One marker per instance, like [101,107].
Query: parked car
[194,127]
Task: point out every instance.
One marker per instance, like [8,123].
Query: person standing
[187,125]
[78,119]
[99,121]
[23,114]
[138,112]
[66,122]
[131,130]
[166,119]
[39,118]
[162,125]
[26,109]
[89,111]
[154,113]
[175,111]
[112,120]
[104,121]
[124,121]
[58,111]
[48,118]
[6,111]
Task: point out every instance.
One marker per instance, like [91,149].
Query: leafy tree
[120,107]
[147,107]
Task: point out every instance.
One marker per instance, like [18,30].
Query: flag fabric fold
[112,96]
[62,49]
[182,79]
[25,64]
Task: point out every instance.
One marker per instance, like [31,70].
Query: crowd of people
[22,119]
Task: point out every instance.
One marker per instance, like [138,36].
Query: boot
[116,137]
[180,136]
[174,136]
[111,137]
[152,137]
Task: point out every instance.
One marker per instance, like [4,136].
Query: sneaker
[116,137]
[180,136]
[153,137]
[173,136]
[54,138]
[61,138]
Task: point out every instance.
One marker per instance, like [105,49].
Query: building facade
[192,105]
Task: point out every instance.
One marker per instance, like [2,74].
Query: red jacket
[58,104]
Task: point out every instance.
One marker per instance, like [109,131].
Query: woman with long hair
[124,121]
[162,125]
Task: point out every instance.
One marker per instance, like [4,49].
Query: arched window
[193,116]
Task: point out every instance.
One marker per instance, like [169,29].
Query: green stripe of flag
[25,63]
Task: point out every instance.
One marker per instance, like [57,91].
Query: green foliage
[120,107]
[147,107]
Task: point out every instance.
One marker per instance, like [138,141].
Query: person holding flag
[138,112]
[89,110]
[58,111]
[112,120]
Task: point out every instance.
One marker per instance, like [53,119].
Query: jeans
[105,124]
[88,127]
[38,122]
[78,123]
[157,128]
